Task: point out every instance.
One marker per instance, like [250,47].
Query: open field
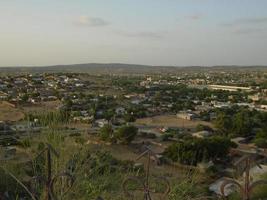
[9,113]
[41,107]
[170,121]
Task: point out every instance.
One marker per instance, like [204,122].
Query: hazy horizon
[150,32]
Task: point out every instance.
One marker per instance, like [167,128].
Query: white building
[186,115]
[229,88]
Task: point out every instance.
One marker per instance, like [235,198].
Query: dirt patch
[43,106]
[79,125]
[171,121]
[10,113]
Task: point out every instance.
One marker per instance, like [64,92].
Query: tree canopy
[194,150]
[126,134]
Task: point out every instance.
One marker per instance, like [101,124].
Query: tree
[92,111]
[218,147]
[201,127]
[223,123]
[24,97]
[194,150]
[106,132]
[68,103]
[242,124]
[129,118]
[261,138]
[109,114]
[126,134]
[261,142]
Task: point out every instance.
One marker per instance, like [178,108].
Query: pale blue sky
[157,32]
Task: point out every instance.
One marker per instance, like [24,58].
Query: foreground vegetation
[96,171]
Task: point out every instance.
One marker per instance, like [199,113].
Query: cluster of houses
[147,102]
[34,88]
[214,79]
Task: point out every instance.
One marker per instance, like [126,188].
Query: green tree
[194,150]
[108,114]
[129,118]
[201,127]
[24,97]
[106,132]
[261,138]
[68,103]
[126,134]
[242,124]
[223,123]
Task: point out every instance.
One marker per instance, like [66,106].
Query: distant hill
[118,68]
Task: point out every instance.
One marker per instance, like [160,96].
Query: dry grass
[43,106]
[9,113]
[171,121]
[79,125]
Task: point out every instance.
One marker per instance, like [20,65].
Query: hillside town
[133,100]
[167,111]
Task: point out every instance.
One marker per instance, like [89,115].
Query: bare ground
[171,121]
[9,113]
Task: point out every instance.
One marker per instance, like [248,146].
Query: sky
[152,32]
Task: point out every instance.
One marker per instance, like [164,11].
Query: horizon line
[118,63]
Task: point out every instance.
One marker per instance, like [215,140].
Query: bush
[98,174]
[106,132]
[194,150]
[187,188]
[126,134]
[201,127]
[261,142]
[129,118]
[10,186]
[261,138]
[166,137]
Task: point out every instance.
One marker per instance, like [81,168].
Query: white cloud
[91,21]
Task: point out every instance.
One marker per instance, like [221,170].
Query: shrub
[126,134]
[106,132]
[194,150]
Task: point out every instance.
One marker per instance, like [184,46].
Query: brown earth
[10,113]
[171,121]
